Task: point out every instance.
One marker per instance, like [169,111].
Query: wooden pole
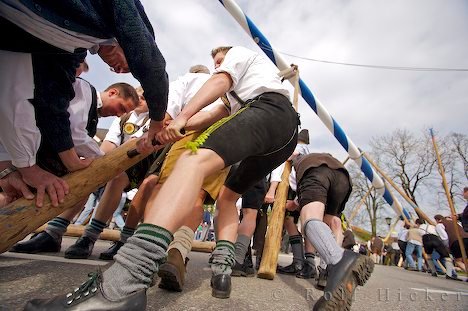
[418,211]
[114,235]
[273,237]
[450,202]
[22,217]
[389,234]
[358,207]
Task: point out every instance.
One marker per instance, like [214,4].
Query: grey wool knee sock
[94,229]
[126,233]
[57,227]
[222,258]
[321,237]
[297,246]
[310,257]
[137,261]
[242,245]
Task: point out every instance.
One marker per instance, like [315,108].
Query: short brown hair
[126,91]
[199,69]
[223,49]
[438,217]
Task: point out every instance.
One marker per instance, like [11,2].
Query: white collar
[99,100]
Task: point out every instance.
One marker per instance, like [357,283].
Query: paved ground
[23,277]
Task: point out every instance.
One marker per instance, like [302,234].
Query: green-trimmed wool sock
[137,261]
[310,257]
[57,227]
[242,245]
[94,229]
[222,257]
[126,233]
[297,246]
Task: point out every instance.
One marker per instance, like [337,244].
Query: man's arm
[53,78]
[135,35]
[203,119]
[214,88]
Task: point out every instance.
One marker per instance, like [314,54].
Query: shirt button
[38,7]
[67,22]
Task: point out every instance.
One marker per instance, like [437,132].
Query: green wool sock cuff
[227,244]
[154,234]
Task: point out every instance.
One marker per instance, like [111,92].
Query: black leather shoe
[221,286]
[308,271]
[242,270]
[89,296]
[112,251]
[82,249]
[322,278]
[291,269]
[40,242]
[343,277]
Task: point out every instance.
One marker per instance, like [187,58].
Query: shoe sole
[170,278]
[363,269]
[106,257]
[237,273]
[71,256]
[341,298]
[219,294]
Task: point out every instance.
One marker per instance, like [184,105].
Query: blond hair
[223,49]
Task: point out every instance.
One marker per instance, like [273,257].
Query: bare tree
[373,203]
[406,159]
[453,150]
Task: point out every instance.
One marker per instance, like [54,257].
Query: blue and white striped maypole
[246,23]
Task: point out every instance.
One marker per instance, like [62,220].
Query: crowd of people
[222,135]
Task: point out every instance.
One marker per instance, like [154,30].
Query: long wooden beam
[273,237]
[22,217]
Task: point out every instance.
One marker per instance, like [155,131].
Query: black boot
[308,271]
[40,242]
[293,268]
[343,277]
[112,251]
[82,249]
[89,296]
[221,286]
[321,278]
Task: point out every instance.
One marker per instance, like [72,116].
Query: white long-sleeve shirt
[19,135]
[20,138]
[181,92]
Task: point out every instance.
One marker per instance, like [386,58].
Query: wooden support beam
[22,217]
[275,228]
[114,235]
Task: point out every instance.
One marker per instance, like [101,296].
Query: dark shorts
[329,186]
[137,173]
[261,137]
[432,242]
[254,197]
[455,248]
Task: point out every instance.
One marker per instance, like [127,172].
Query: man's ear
[112,92]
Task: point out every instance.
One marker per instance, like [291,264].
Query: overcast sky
[365,102]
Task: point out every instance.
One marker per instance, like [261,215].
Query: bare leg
[178,195]
[248,223]
[138,204]
[335,225]
[111,197]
